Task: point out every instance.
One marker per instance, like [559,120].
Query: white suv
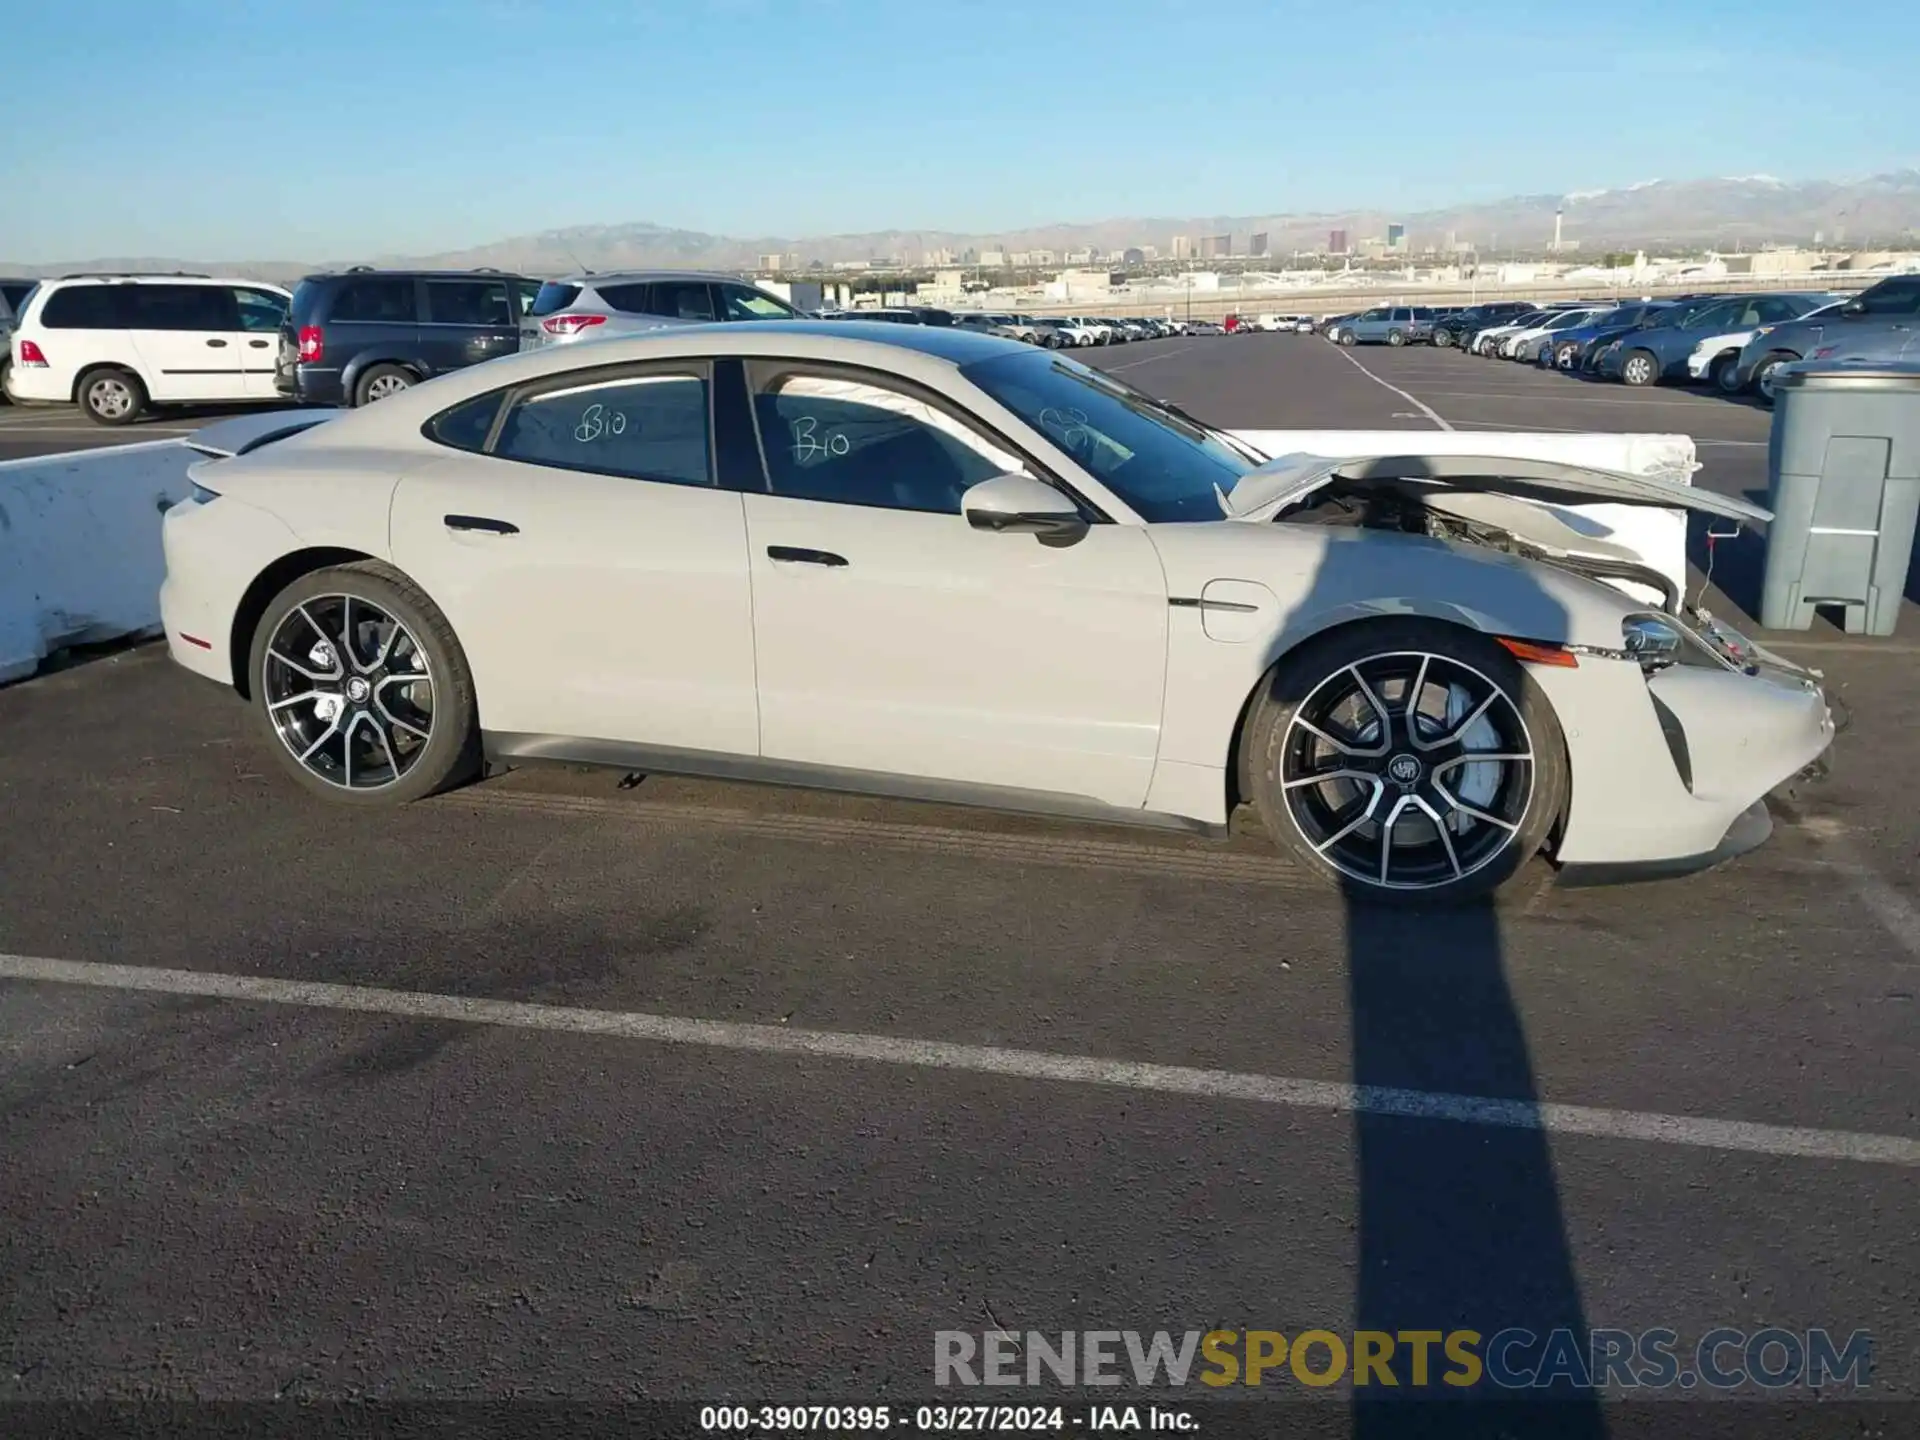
[117,344]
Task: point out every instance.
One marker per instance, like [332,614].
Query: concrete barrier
[80,557]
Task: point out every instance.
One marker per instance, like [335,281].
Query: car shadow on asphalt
[1460,1228]
[1460,1225]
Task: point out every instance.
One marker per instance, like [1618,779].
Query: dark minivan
[362,334]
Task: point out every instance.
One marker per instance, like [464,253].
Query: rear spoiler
[244,434]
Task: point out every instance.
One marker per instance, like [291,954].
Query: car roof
[627,277]
[152,278]
[368,272]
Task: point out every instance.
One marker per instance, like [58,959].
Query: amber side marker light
[1534,654]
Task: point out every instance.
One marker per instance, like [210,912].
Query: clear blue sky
[336,128]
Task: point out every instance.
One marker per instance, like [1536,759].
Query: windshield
[1165,466]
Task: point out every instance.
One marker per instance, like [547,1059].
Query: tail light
[31,354]
[313,344]
[571,324]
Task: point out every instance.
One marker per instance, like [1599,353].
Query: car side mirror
[1021,505]
[1854,307]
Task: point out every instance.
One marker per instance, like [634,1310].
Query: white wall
[80,554]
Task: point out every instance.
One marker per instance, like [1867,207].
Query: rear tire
[1442,339]
[1394,337]
[1640,368]
[112,396]
[1319,712]
[316,664]
[378,382]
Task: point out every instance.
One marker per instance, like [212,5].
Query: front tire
[1349,339]
[1766,372]
[1442,339]
[1724,374]
[362,688]
[1640,368]
[1362,763]
[113,397]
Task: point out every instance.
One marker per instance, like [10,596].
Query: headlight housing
[1653,640]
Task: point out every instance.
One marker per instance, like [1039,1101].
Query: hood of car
[1286,481]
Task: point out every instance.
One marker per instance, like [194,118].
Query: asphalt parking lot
[964,1071]
[28,430]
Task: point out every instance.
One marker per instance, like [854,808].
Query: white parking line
[1425,409]
[1633,1125]
[1151,359]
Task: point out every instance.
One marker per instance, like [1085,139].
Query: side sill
[507,749]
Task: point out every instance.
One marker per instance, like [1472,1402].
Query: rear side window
[180,307]
[86,307]
[552,298]
[639,427]
[635,299]
[468,302]
[682,299]
[388,302]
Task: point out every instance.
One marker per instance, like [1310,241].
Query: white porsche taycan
[926,563]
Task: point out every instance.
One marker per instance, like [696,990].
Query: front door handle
[794,555]
[482,523]
[218,344]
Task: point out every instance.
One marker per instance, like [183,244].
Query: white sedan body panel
[1111,670]
[958,654]
[619,612]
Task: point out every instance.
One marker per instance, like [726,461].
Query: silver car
[629,302]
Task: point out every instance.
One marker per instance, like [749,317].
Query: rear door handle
[482,523]
[218,344]
[258,344]
[794,555]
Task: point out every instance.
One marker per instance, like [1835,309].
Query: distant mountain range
[1725,213]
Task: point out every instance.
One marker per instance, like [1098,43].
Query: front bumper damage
[1736,736]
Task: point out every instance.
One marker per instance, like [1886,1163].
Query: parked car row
[1738,344]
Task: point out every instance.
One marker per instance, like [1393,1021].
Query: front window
[850,439]
[1166,467]
[744,302]
[1892,298]
[261,310]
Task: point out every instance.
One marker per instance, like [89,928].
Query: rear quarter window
[466,426]
[552,298]
[85,307]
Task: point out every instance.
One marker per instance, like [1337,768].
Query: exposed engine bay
[1530,529]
